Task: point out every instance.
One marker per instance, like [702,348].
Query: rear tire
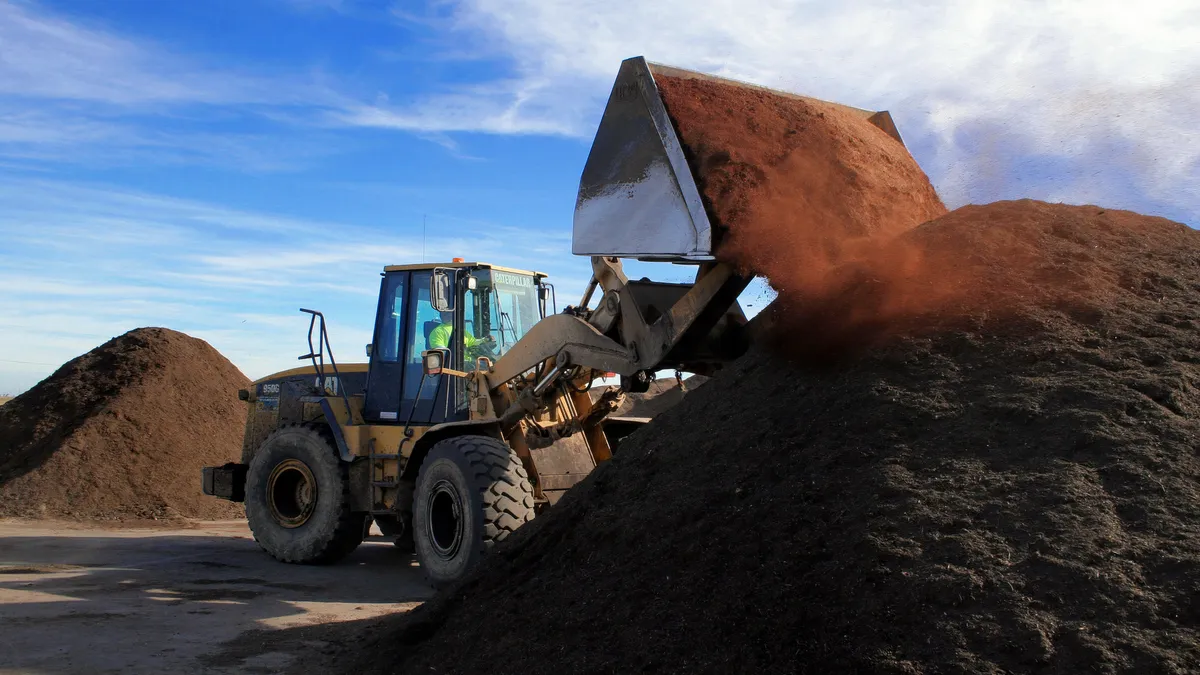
[298,499]
[471,493]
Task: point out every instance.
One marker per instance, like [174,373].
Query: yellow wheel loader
[473,413]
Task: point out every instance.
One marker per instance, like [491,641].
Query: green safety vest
[439,338]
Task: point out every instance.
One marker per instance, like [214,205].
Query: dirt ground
[5,399]
[205,599]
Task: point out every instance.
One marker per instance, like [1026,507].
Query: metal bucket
[637,196]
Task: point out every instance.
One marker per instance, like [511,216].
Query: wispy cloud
[81,93]
[48,57]
[45,135]
[1103,92]
[82,263]
[506,107]
[1104,89]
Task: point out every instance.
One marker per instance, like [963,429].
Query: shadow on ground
[136,601]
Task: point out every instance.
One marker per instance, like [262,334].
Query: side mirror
[472,283]
[370,348]
[433,360]
[441,290]
[547,298]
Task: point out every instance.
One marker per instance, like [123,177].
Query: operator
[439,338]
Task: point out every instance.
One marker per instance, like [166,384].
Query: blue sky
[213,166]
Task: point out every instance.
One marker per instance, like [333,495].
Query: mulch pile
[662,395]
[1005,480]
[122,432]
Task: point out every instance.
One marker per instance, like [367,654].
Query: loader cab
[485,309]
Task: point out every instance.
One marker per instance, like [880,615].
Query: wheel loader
[473,413]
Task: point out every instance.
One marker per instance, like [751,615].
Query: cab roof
[461,265]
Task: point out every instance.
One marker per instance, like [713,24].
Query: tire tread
[505,495]
[504,484]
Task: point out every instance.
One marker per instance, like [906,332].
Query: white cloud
[977,87]
[18,286]
[50,57]
[81,93]
[1109,87]
[83,263]
[498,108]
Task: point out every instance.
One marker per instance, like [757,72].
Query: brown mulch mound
[1014,487]
[122,432]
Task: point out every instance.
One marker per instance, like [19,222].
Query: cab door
[428,399]
[385,379]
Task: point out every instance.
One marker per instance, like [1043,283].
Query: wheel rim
[291,493]
[445,522]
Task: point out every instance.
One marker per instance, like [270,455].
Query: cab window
[503,307]
[391,325]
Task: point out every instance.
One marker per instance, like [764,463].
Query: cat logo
[331,385]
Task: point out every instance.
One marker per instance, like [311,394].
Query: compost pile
[122,432]
[1004,480]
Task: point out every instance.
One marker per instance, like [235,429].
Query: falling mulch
[815,179]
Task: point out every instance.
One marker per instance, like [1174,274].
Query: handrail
[317,355]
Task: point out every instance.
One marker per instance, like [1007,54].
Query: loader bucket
[638,198]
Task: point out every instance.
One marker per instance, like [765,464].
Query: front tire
[298,500]
[471,493]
